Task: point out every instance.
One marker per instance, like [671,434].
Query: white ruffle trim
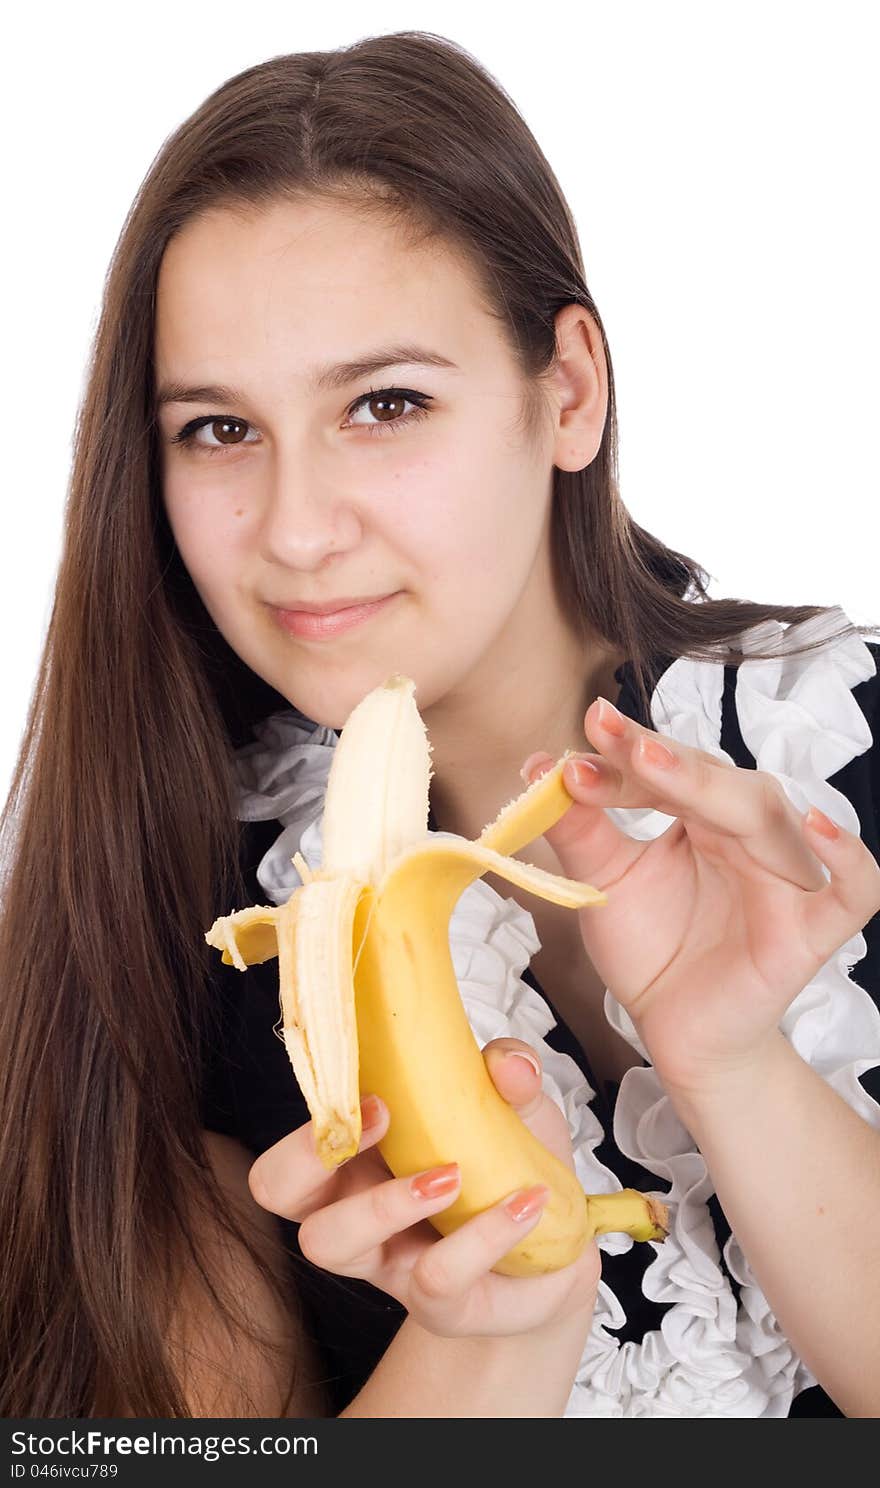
[800,721]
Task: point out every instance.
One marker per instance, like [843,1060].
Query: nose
[304,520]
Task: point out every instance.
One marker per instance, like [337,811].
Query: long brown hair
[113,864]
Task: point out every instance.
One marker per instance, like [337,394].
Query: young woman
[351,412]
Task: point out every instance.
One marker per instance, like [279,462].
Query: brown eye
[386,408]
[228,431]
[222,431]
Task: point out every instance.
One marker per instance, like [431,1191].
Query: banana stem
[628,1213]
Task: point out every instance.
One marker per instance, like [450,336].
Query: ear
[579,382]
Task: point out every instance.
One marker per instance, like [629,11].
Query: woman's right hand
[359,1221]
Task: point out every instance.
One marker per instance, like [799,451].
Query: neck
[529,692]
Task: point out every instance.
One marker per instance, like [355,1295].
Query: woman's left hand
[711,929]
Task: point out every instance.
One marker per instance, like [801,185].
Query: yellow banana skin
[418,1052]
[377,941]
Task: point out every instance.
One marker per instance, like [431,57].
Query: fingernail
[656,753]
[526,1058]
[534,767]
[371,1111]
[435,1181]
[610,719]
[822,823]
[527,1203]
[583,772]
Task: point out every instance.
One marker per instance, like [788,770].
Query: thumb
[587,844]
[515,1070]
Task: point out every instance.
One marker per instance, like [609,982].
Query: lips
[318,624]
[332,606]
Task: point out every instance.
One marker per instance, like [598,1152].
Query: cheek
[476,515]
[210,529]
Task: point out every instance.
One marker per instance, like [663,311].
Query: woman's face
[293,492]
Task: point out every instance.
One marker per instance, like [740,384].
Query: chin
[329,701]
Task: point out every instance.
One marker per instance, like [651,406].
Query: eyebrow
[323,379]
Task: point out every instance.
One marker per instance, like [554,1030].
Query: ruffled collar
[711,1356]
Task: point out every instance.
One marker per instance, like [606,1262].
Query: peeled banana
[369,996]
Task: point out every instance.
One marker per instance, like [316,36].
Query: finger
[684,782]
[446,1271]
[835,913]
[341,1236]
[515,1069]
[516,1073]
[290,1179]
[676,774]
[585,840]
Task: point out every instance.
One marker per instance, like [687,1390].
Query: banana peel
[369,997]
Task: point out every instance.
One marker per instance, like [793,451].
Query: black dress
[251,1093]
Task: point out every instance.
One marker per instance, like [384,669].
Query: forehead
[308,282]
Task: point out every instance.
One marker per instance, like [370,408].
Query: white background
[721,164]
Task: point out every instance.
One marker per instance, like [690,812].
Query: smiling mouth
[317,624]
[331,607]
